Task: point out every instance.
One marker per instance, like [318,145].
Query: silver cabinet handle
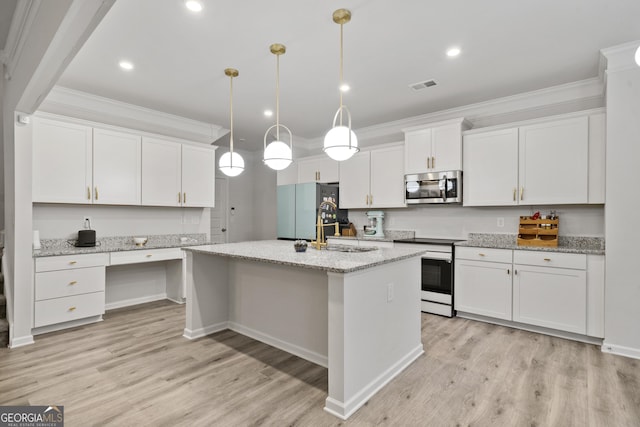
[433,162]
[428,163]
[508,272]
[521,192]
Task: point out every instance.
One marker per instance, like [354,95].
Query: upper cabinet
[116,168]
[318,169]
[373,179]
[289,175]
[62,162]
[437,147]
[552,162]
[75,163]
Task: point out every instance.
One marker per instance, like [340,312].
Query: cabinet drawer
[484,254]
[60,310]
[64,283]
[150,255]
[65,262]
[550,259]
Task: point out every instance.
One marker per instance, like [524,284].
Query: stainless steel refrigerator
[298,209]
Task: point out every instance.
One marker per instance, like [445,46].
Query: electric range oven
[437,279]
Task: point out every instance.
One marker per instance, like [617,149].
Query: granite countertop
[282,252]
[389,236]
[56,247]
[566,244]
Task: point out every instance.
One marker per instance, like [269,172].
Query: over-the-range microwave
[434,187]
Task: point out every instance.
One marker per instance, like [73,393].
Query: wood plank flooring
[135,369]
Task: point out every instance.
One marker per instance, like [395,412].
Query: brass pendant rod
[231,117]
[341,70]
[277,97]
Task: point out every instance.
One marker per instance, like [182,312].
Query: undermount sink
[347,248]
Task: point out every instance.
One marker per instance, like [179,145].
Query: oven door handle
[444,194]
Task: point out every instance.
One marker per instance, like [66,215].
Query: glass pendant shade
[231,163]
[277,155]
[337,145]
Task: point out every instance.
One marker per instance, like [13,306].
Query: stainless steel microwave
[434,187]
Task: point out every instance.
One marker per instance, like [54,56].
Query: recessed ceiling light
[126,65]
[193,5]
[345,88]
[453,52]
[268,113]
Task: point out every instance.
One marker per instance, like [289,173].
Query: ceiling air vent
[423,85]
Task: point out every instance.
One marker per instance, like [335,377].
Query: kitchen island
[356,313]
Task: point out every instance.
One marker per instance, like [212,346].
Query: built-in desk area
[74,286]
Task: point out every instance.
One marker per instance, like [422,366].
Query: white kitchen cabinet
[198,176]
[318,169]
[546,162]
[161,172]
[289,175]
[62,162]
[117,168]
[373,179]
[551,297]
[490,176]
[483,287]
[434,148]
[553,163]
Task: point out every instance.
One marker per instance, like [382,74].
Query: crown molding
[82,105]
[574,96]
[21,24]
[621,57]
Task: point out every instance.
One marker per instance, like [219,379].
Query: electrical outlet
[389,292]
[500,222]
[87,222]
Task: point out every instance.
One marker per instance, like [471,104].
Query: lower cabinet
[548,289]
[69,288]
[483,288]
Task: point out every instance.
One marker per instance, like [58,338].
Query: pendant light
[230,163]
[277,155]
[340,143]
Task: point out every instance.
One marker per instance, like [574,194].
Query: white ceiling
[508,47]
[7,7]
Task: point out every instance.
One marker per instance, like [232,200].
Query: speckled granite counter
[55,247]
[389,236]
[282,252]
[566,244]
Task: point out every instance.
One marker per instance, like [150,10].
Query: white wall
[264,197]
[63,221]
[458,221]
[622,292]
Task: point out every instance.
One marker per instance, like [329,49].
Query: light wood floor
[135,369]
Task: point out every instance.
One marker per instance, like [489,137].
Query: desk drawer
[58,310]
[64,283]
[551,259]
[148,255]
[53,263]
[484,254]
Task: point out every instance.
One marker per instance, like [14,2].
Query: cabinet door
[550,297]
[306,210]
[328,170]
[387,177]
[554,160]
[161,173]
[308,170]
[490,168]
[483,288]
[117,168]
[198,176]
[286,221]
[354,181]
[417,151]
[446,148]
[62,154]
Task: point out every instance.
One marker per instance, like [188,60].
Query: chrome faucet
[320,241]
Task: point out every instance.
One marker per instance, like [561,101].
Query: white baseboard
[532,328]
[135,301]
[344,410]
[620,350]
[21,341]
[177,300]
[66,325]
[202,332]
[311,356]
